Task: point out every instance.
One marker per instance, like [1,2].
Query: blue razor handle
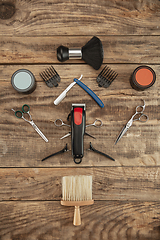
[90,92]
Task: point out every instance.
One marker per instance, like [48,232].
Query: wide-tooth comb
[50,76]
[106,77]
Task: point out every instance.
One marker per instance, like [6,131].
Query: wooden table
[127,191]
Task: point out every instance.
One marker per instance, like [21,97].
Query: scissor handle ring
[58,125]
[98,120]
[18,114]
[28,108]
[140,106]
[143,115]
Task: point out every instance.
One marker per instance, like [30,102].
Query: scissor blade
[40,133]
[124,130]
[89,135]
[68,134]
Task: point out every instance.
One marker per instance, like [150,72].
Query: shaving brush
[76,192]
[91,53]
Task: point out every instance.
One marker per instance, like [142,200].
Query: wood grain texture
[76,17]
[127,191]
[43,50]
[109,183]
[105,220]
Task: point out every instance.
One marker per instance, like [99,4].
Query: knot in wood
[7,10]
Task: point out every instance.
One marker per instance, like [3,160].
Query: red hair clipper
[78,124]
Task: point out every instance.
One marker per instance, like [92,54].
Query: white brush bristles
[77,188]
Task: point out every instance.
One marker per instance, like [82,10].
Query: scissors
[58,122]
[97,123]
[138,116]
[25,110]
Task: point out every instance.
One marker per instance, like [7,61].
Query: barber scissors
[59,123]
[97,123]
[138,116]
[25,110]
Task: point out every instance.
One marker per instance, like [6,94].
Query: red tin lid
[143,77]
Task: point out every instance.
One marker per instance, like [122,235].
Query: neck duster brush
[76,192]
[91,53]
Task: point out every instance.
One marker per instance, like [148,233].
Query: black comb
[50,76]
[106,77]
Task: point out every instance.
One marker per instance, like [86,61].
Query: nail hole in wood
[7,10]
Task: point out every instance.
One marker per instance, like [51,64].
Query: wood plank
[109,183]
[17,138]
[126,192]
[117,49]
[109,220]
[79,17]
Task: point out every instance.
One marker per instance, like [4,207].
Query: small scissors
[59,123]
[25,110]
[140,117]
[97,123]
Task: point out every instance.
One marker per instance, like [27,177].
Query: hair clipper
[78,124]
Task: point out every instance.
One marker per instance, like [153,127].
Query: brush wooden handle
[77,216]
[77,204]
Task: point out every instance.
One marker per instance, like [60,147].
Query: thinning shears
[138,116]
[25,110]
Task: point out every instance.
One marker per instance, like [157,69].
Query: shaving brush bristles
[92,53]
[77,188]
[77,191]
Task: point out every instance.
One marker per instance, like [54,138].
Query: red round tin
[142,78]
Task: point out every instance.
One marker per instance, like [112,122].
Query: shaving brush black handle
[62,53]
[91,53]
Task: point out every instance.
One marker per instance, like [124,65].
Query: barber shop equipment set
[77,190]
[23,81]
